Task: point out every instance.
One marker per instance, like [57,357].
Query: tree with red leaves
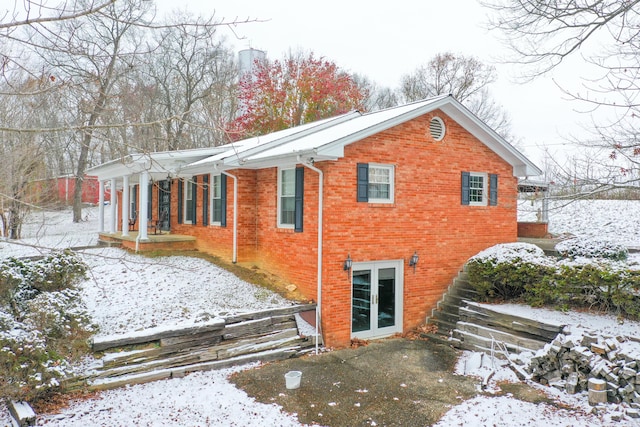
[299,89]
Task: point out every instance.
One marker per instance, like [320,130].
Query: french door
[376,299]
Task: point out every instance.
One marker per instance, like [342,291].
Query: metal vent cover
[437,128]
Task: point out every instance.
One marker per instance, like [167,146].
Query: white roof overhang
[328,142]
[323,140]
[159,165]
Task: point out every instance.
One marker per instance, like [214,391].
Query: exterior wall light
[347,263]
[414,260]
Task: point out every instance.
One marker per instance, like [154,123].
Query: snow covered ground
[615,220]
[127,292]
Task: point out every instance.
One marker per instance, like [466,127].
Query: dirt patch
[394,382]
[249,273]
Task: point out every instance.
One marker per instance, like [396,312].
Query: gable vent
[436,128]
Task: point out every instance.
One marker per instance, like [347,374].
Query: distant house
[370,215]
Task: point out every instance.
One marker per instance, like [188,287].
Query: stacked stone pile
[608,368]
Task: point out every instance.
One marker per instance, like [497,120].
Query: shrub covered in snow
[521,272]
[43,323]
[505,271]
[591,248]
[55,272]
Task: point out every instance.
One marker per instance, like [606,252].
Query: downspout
[309,164]
[234,258]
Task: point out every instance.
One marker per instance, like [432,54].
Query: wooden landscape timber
[166,352]
[481,327]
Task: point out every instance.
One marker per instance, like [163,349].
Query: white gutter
[234,258]
[309,164]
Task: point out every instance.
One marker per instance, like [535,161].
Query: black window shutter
[465,187]
[299,200]
[180,200]
[150,203]
[493,189]
[363,182]
[194,200]
[223,200]
[205,200]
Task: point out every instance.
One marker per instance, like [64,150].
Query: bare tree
[90,54]
[605,34]
[466,78]
[93,55]
[193,75]
[376,97]
[22,154]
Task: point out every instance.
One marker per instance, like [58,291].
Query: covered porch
[153,242]
[140,209]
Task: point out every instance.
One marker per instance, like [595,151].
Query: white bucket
[292,378]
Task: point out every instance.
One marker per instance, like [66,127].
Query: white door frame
[374,266]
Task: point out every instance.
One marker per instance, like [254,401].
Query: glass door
[376,299]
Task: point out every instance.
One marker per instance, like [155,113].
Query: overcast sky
[383,41]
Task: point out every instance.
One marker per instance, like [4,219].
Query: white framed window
[381,183]
[133,198]
[189,208]
[478,194]
[216,199]
[286,197]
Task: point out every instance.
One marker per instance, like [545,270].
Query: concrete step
[446,316]
[466,293]
[453,299]
[448,306]
[444,327]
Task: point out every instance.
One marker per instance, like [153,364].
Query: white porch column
[143,191]
[125,205]
[112,206]
[101,206]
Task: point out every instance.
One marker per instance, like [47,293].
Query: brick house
[370,215]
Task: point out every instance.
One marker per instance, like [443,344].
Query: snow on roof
[325,140]
[321,140]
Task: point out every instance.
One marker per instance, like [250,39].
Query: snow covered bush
[505,271]
[58,271]
[522,272]
[591,248]
[43,323]
[602,286]
[55,272]
[30,368]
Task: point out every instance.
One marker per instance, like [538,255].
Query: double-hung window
[290,198]
[133,201]
[217,200]
[189,209]
[375,183]
[286,198]
[479,189]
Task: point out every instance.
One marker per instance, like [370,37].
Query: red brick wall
[216,239]
[286,253]
[427,217]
